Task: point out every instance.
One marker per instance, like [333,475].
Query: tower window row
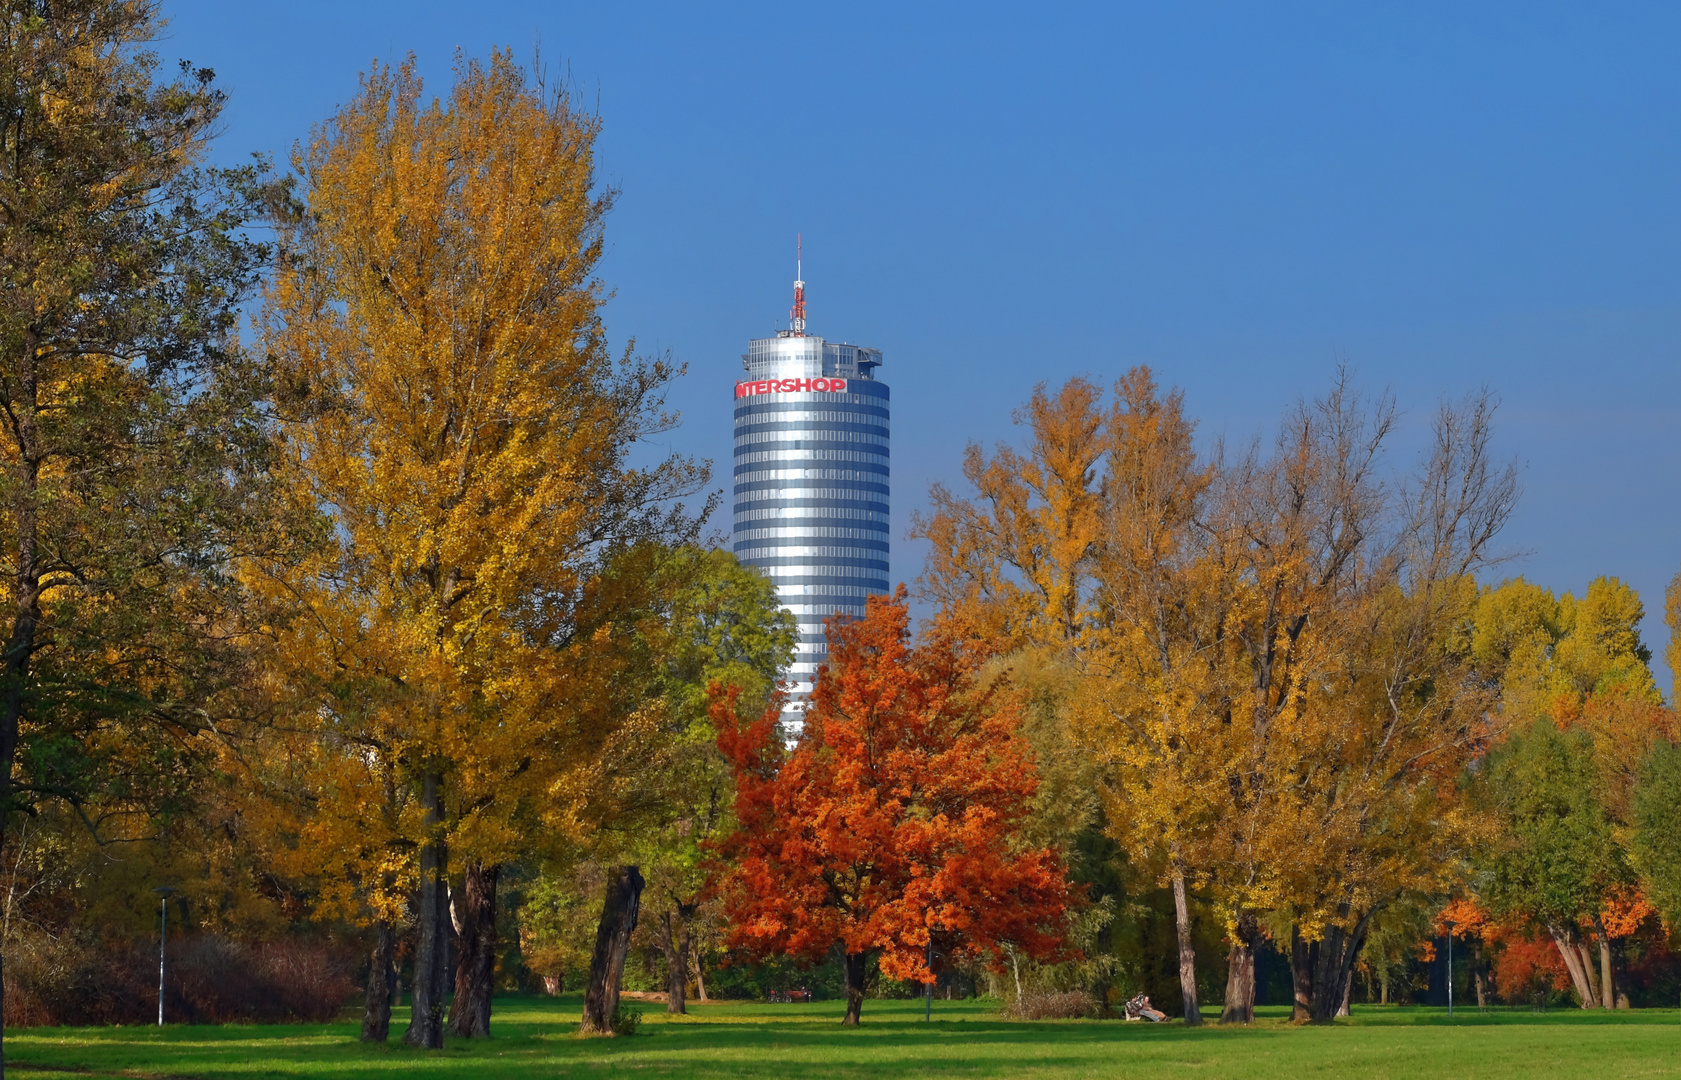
[809,497]
[783,493]
[823,610]
[754,457]
[783,423]
[767,476]
[813,551]
[821,436]
[764,414]
[819,531]
[789,513]
[828,590]
[820,570]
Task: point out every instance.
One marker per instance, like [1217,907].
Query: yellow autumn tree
[1672,654]
[449,405]
[1275,675]
[1153,707]
[1012,565]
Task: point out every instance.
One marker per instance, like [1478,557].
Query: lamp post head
[165,891]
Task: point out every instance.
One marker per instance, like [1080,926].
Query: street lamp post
[1450,969]
[163,892]
[928,988]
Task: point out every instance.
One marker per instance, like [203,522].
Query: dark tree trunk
[855,968]
[619,910]
[382,983]
[475,967]
[672,940]
[1187,952]
[1333,967]
[1101,988]
[1437,992]
[1240,973]
[431,947]
[1619,969]
[1303,955]
[686,946]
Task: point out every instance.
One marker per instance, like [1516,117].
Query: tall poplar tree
[128,438]
[451,405]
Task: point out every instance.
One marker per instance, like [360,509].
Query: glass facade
[811,483]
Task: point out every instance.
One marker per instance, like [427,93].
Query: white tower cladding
[811,479]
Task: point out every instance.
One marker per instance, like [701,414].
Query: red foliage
[1528,964]
[893,816]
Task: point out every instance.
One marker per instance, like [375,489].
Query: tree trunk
[1302,957]
[619,910]
[382,982]
[475,967]
[1608,992]
[1479,974]
[1383,983]
[685,944]
[1240,974]
[1591,970]
[855,968]
[1187,952]
[700,978]
[1436,995]
[672,942]
[1333,967]
[1573,964]
[1103,985]
[431,961]
[1619,970]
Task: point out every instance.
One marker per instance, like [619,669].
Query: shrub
[625,1020]
[1052,1005]
[74,979]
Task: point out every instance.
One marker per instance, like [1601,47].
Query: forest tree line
[355,613]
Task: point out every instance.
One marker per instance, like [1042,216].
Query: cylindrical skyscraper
[811,479]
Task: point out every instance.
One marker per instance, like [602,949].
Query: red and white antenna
[797,314]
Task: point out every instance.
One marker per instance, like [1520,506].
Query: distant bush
[1052,1005]
[77,980]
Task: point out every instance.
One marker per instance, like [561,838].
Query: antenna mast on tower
[797,314]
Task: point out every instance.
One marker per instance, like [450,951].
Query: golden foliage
[453,413]
[1277,677]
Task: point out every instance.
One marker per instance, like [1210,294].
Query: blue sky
[1240,195]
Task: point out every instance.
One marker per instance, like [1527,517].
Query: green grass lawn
[536,1038]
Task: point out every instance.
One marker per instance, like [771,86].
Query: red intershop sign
[790,386]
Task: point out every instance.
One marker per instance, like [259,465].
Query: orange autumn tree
[888,825]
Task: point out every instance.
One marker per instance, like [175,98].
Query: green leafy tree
[1558,854]
[129,439]
[721,625]
[1657,824]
